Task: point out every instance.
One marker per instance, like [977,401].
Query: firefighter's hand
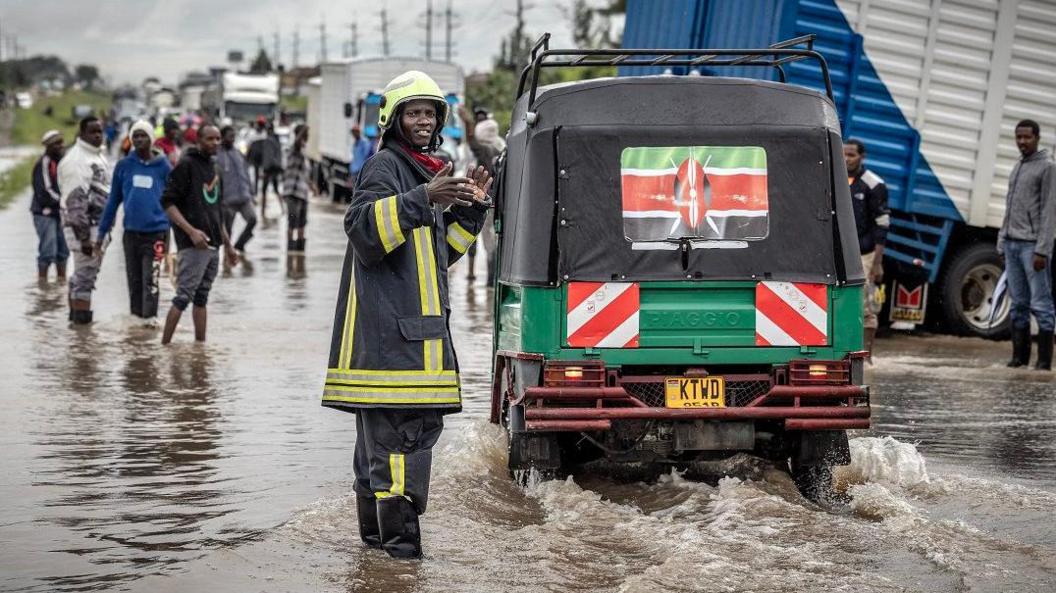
[481,183]
[446,190]
[1040,261]
[464,114]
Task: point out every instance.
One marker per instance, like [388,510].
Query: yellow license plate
[696,392]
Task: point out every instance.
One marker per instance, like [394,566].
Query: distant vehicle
[128,109]
[245,97]
[163,99]
[935,92]
[350,94]
[24,100]
[678,270]
[81,111]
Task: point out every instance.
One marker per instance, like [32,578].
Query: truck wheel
[814,481]
[527,451]
[968,292]
[813,457]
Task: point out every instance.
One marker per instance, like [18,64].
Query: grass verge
[55,113]
[15,180]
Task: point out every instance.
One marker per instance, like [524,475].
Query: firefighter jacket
[391,345]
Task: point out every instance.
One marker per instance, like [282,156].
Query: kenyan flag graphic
[708,193]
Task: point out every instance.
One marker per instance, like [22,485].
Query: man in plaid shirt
[295,191]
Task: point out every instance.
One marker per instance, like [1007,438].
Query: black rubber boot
[82,317]
[369,532]
[400,535]
[300,244]
[1020,348]
[1044,362]
[291,246]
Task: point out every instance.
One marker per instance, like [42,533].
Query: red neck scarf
[428,162]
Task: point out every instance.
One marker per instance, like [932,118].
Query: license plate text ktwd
[706,392]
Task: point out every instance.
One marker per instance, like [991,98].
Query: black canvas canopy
[561,209]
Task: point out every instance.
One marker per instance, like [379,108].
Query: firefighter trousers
[394,451]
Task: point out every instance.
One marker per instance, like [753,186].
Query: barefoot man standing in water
[391,359]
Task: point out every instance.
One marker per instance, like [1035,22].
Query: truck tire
[813,458]
[967,292]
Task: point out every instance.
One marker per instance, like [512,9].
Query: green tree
[261,64]
[87,75]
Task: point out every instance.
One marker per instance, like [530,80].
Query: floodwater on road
[127,466]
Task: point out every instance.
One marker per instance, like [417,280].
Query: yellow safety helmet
[409,86]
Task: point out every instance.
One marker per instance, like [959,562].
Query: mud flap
[828,447]
[531,450]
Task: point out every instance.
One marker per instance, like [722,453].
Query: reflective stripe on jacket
[391,347]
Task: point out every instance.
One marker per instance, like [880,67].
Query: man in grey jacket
[238,190]
[1025,243]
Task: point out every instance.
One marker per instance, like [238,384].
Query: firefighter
[392,362]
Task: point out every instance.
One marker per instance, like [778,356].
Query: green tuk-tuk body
[678,276]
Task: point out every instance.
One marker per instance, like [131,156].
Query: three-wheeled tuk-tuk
[678,275]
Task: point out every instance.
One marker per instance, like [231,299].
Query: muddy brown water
[131,467]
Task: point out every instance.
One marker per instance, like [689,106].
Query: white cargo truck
[349,94]
[245,97]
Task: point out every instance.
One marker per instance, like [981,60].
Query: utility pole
[322,41]
[296,46]
[1,45]
[518,45]
[275,49]
[428,29]
[449,18]
[353,46]
[260,44]
[384,33]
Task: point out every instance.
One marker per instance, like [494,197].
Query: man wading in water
[391,357]
[192,201]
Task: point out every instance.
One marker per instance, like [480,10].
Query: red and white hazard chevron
[791,314]
[603,314]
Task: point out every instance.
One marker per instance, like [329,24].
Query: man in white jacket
[84,183]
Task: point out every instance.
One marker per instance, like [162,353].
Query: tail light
[819,372]
[589,373]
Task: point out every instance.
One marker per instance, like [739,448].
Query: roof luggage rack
[775,56]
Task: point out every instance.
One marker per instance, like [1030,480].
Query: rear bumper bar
[828,408]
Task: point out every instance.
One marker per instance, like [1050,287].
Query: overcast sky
[132,39]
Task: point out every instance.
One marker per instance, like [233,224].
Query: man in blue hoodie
[138,182]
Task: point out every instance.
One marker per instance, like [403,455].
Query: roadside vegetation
[28,125]
[54,113]
[15,180]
